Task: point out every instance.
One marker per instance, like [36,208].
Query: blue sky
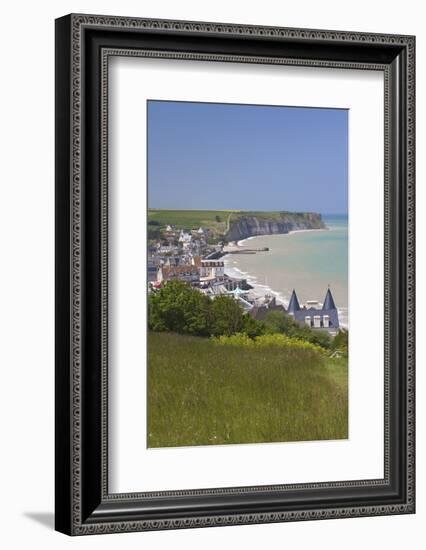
[247,157]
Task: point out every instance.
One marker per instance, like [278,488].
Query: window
[326,321]
[317,321]
[308,320]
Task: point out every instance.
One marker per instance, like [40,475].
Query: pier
[248,250]
[217,254]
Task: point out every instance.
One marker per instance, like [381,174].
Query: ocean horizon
[309,261]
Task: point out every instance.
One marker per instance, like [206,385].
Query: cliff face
[251,225]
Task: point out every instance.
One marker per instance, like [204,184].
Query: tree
[252,327]
[226,316]
[278,322]
[178,308]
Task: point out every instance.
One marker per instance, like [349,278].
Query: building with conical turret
[311,314]
[328,301]
[325,318]
[293,305]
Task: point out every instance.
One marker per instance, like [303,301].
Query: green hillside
[203,393]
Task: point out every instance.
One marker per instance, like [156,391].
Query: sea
[309,261]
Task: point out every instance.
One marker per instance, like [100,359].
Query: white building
[185,239]
[209,269]
[214,269]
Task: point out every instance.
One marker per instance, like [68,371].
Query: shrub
[282,340]
[267,340]
[239,339]
[252,327]
[341,342]
[277,322]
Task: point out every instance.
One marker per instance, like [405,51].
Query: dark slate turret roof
[328,301]
[293,305]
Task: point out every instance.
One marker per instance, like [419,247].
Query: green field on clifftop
[217,221]
[191,219]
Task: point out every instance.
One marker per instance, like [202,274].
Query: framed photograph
[234,274]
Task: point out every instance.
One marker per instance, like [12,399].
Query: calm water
[307,261]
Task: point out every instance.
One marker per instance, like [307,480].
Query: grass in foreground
[203,393]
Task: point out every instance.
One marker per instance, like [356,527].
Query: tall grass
[204,393]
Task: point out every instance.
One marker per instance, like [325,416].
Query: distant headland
[231,225]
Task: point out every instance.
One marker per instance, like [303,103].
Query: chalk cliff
[263,223]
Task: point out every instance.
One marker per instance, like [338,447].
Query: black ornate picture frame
[84,43]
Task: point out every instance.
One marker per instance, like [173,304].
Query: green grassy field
[186,218]
[202,393]
[192,219]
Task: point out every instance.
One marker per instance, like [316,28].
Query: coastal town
[196,258]
[247,261]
